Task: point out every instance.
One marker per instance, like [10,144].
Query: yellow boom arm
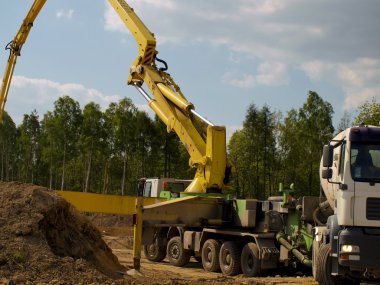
[205,142]
[15,51]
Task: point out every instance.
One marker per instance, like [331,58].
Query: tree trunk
[105,182]
[51,173]
[88,170]
[63,167]
[124,172]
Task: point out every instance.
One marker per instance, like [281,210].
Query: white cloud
[64,14]
[263,6]
[358,79]
[36,93]
[112,21]
[272,74]
[317,37]
[154,4]
[268,74]
[356,97]
[242,81]
[76,90]
[315,69]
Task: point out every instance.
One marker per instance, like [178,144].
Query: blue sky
[223,54]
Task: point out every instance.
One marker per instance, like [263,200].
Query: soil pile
[43,239]
[110,220]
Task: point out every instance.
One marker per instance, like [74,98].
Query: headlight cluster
[348,248]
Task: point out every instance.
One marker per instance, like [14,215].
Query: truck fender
[175,231]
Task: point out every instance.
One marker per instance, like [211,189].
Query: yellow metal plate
[108,204]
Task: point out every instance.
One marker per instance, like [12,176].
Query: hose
[164,63]
[302,258]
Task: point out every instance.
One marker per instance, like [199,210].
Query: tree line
[272,148]
[91,150]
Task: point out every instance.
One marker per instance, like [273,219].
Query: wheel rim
[174,251]
[226,257]
[208,255]
[152,249]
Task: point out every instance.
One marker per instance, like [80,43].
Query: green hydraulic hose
[304,259]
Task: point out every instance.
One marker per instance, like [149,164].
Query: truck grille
[373,209]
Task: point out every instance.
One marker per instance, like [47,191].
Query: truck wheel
[323,272]
[155,252]
[315,263]
[229,258]
[177,255]
[210,255]
[250,260]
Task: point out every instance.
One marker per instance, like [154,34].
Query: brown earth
[44,240]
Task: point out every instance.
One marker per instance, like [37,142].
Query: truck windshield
[365,162]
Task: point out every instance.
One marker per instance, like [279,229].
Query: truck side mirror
[327,173]
[327,158]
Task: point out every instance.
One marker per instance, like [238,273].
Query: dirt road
[120,240]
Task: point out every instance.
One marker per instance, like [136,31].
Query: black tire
[315,263]
[177,255]
[155,252]
[250,260]
[229,258]
[210,255]
[324,266]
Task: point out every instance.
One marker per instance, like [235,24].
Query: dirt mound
[44,239]
[109,220]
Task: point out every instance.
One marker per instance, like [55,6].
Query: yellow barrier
[108,204]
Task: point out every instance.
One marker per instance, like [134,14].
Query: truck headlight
[348,248]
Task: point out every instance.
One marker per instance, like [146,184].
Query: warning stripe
[148,56]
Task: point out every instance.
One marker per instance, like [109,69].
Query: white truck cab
[152,187]
[350,178]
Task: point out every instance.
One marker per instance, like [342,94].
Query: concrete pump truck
[335,235]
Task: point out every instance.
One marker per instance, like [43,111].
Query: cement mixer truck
[347,246]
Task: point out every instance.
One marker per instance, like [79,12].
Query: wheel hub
[174,252]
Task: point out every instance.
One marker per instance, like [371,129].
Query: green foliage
[90,150]
[252,153]
[28,147]
[8,148]
[269,150]
[108,151]
[369,113]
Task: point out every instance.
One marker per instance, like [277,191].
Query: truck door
[365,171]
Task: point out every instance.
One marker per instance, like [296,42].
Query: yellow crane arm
[15,51]
[205,142]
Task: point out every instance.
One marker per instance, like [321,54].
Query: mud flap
[268,252]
